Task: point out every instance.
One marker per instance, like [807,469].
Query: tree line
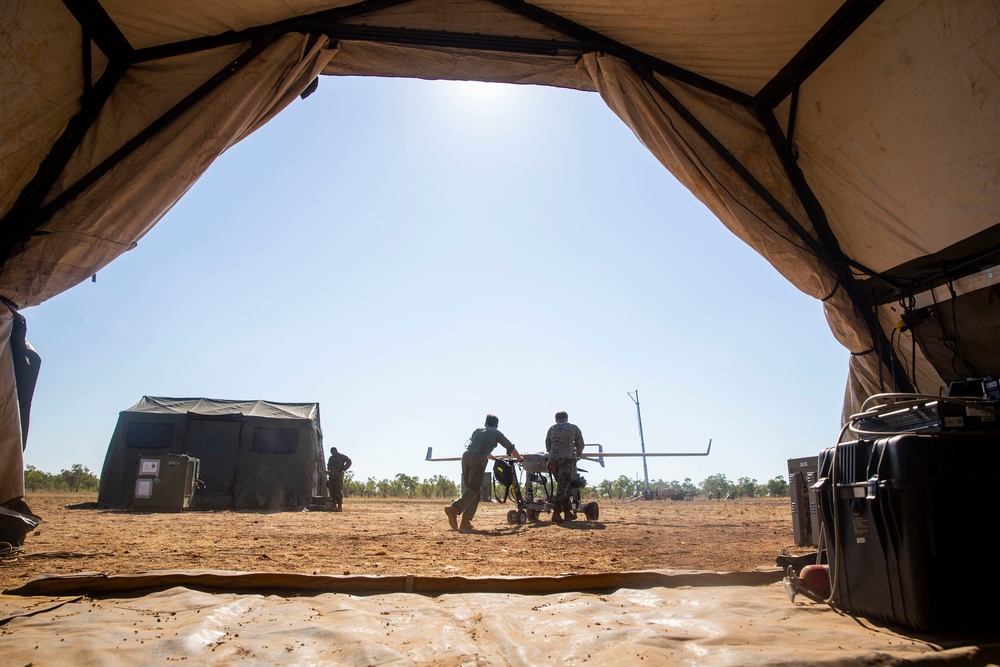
[79,478]
[400,486]
[714,487]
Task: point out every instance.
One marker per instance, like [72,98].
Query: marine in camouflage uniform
[479,450]
[564,444]
[336,465]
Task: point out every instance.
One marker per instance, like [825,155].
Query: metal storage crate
[165,483]
[802,475]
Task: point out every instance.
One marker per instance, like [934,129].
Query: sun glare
[482,96]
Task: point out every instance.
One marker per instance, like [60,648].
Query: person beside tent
[478,451]
[564,444]
[336,466]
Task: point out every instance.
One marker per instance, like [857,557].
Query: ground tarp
[696,618]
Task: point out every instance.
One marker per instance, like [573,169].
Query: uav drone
[531,486]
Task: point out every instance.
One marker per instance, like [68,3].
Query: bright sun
[483,96]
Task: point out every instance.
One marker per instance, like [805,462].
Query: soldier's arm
[507,444]
[579,442]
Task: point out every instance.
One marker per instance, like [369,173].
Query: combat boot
[466,527]
[452,516]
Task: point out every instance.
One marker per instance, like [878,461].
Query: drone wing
[601,454]
[430,457]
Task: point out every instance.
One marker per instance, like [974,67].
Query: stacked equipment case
[904,517]
[805,515]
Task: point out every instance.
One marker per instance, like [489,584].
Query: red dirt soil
[387,536]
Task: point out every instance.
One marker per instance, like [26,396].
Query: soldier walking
[479,450]
[336,465]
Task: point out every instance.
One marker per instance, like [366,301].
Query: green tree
[622,486]
[442,487]
[78,478]
[352,487]
[407,483]
[36,480]
[747,488]
[716,486]
[777,487]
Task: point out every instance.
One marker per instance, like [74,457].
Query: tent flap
[852,144]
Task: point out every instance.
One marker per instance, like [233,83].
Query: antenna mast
[642,443]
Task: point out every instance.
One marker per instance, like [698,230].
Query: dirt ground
[374,536]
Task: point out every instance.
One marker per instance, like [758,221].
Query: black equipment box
[935,416]
[983,387]
[901,517]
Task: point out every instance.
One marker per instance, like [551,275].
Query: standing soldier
[564,444]
[335,466]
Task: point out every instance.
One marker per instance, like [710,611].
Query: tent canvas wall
[852,143]
[253,454]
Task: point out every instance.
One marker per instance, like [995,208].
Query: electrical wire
[950,341]
[835,560]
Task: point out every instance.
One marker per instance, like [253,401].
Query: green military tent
[252,454]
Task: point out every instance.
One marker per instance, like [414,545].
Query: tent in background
[852,143]
[253,454]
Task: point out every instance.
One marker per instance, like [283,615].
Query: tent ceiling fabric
[851,143]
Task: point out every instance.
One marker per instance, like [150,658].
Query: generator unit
[165,483]
[806,520]
[486,492]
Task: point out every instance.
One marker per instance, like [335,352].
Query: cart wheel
[592,511]
[522,517]
[512,517]
[531,515]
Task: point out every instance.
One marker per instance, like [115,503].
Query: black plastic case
[909,526]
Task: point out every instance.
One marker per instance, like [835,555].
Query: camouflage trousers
[336,486]
[563,474]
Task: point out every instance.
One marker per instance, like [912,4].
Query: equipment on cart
[539,489]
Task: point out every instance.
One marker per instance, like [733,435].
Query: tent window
[275,440]
[149,436]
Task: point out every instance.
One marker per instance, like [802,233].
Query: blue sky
[413,255]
